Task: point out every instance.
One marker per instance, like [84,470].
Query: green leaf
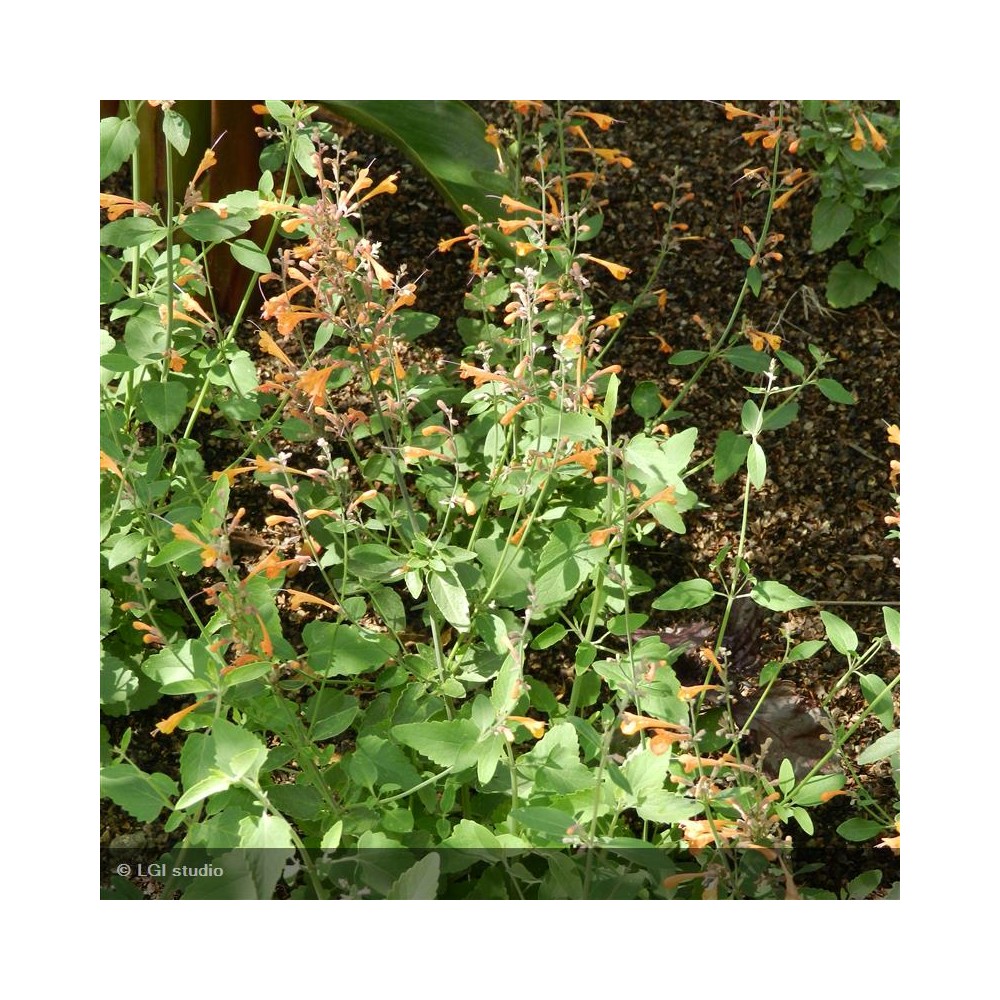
[754,280]
[553,823]
[744,357]
[210,785]
[831,220]
[177,130]
[750,418]
[689,594]
[131,232]
[884,747]
[413,325]
[865,884]
[119,137]
[141,795]
[879,697]
[549,637]
[664,806]
[448,744]
[805,650]
[777,597]
[125,548]
[687,357]
[646,400]
[891,618]
[848,285]
[247,253]
[856,829]
[450,597]
[742,248]
[780,416]
[345,650]
[756,465]
[730,453]
[883,261]
[238,753]
[842,637]
[163,403]
[835,392]
[446,140]
[786,777]
[207,227]
[420,881]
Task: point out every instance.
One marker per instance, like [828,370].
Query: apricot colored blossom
[618,271]
[168,725]
[878,140]
[632,724]
[117,206]
[687,693]
[759,339]
[110,465]
[534,726]
[300,597]
[603,122]
[734,112]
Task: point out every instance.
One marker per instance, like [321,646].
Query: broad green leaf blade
[118,140]
[345,650]
[777,597]
[141,795]
[756,465]
[830,221]
[848,285]
[883,261]
[834,391]
[451,743]
[689,594]
[446,140]
[884,746]
[891,618]
[842,637]
[247,253]
[450,598]
[163,404]
[730,453]
[420,881]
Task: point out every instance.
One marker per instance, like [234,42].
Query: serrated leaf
[449,744]
[831,220]
[141,795]
[883,261]
[420,881]
[848,285]
[344,650]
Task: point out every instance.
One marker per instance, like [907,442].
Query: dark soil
[818,524]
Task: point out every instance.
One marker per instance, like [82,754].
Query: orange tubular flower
[118,206]
[878,140]
[618,271]
[632,724]
[534,726]
[734,112]
[168,725]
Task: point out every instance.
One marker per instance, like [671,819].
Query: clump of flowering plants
[361,703]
